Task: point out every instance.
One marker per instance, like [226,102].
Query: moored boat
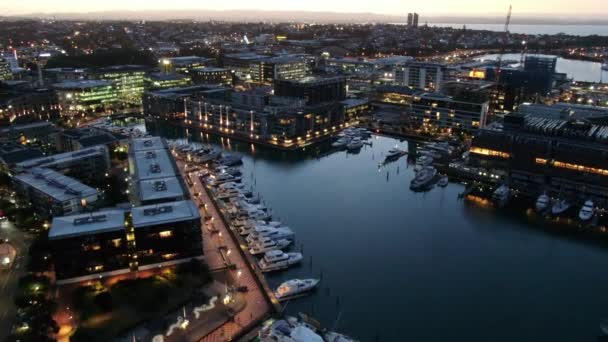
[295,287]
[542,202]
[587,211]
[560,206]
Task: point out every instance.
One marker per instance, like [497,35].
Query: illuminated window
[488,152]
[116,242]
[168,256]
[574,167]
[166,234]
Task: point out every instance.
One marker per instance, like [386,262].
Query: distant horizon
[257,15]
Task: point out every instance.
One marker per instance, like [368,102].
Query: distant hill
[309,17]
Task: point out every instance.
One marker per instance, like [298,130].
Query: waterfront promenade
[222,250]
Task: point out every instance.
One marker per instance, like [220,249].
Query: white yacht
[501,195]
[422,162]
[332,336]
[286,331]
[587,211]
[443,181]
[278,260]
[394,153]
[295,287]
[272,233]
[228,193]
[560,206]
[267,244]
[423,179]
[354,144]
[341,142]
[542,202]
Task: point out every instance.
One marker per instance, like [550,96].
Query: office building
[184,64]
[314,90]
[87,96]
[211,75]
[51,193]
[421,75]
[5,70]
[128,82]
[24,104]
[159,81]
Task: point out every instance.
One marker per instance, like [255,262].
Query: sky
[430,7]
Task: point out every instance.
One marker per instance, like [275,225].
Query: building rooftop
[87,224]
[153,164]
[81,85]
[160,188]
[147,144]
[157,214]
[161,76]
[56,159]
[56,185]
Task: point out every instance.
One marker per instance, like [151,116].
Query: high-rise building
[412,19]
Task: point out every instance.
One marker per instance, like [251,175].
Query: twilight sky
[577,8]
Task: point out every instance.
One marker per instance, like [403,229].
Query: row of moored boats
[352,139]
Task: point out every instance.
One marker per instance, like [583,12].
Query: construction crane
[502,47]
[499,63]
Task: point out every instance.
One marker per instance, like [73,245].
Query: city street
[9,278]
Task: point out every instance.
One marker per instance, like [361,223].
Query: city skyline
[584,8]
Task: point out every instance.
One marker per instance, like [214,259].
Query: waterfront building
[361,65]
[314,90]
[211,75]
[159,81]
[155,178]
[50,193]
[12,153]
[86,96]
[184,64]
[166,232]
[128,81]
[433,112]
[537,152]
[421,75]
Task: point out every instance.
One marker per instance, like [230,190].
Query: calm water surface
[578,70]
[404,266]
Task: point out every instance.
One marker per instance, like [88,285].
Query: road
[258,307]
[9,278]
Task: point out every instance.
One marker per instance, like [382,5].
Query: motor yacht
[228,193]
[501,195]
[267,244]
[285,331]
[422,162]
[332,336]
[443,181]
[394,153]
[279,260]
[355,144]
[295,287]
[542,202]
[423,179]
[560,206]
[341,142]
[272,233]
[587,211]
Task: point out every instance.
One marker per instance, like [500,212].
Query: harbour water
[583,71]
[576,30]
[399,266]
